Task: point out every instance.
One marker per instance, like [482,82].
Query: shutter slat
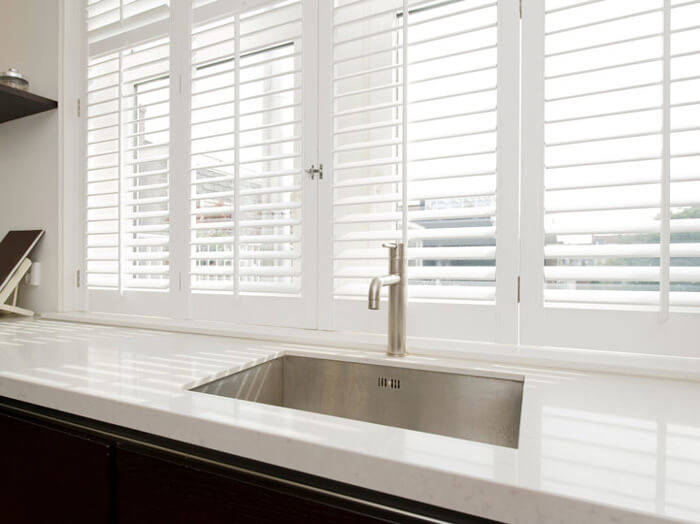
[444,292]
[449,213]
[425,273]
[586,296]
[466,233]
[621,250]
[428,253]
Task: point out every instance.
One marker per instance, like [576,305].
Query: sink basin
[473,407]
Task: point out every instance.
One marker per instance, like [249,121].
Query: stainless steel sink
[473,407]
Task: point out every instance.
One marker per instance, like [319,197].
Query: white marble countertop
[594,448]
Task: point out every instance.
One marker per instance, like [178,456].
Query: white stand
[12,288]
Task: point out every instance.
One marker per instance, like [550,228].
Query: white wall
[29,161]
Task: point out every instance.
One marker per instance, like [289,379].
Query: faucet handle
[390,245]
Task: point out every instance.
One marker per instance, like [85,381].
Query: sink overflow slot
[390,383]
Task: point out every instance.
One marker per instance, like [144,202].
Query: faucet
[396,280]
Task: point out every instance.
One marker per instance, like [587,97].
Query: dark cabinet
[153,488]
[51,475]
[59,468]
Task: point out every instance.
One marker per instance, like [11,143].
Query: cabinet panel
[153,489]
[55,467]
[51,475]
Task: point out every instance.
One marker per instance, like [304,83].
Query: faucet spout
[375,288]
[396,281]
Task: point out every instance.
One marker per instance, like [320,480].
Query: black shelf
[15,103]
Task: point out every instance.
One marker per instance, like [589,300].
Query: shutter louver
[246,152]
[415,144]
[128,165]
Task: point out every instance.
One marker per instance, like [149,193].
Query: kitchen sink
[469,406]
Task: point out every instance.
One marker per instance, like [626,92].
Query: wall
[29,159]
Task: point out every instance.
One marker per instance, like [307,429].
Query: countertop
[594,447]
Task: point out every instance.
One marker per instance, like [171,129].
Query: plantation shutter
[611,157]
[103,172]
[246,152]
[414,144]
[127,149]
[611,165]
[420,142]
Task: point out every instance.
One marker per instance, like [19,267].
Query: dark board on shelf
[15,103]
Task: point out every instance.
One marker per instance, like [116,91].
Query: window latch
[313,171]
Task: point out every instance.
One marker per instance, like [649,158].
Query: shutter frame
[607,318]
[475,316]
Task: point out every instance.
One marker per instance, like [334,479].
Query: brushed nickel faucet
[396,280]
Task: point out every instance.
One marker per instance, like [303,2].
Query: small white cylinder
[35,274]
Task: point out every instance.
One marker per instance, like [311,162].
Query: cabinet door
[154,488]
[51,475]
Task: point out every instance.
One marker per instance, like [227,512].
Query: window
[208,121]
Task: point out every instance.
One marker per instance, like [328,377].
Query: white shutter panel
[415,147]
[604,152]
[610,174]
[246,125]
[102,175]
[684,99]
[127,163]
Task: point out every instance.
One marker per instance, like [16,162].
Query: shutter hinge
[179,282]
[78,111]
[520,8]
[313,171]
[518,289]
[77,278]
